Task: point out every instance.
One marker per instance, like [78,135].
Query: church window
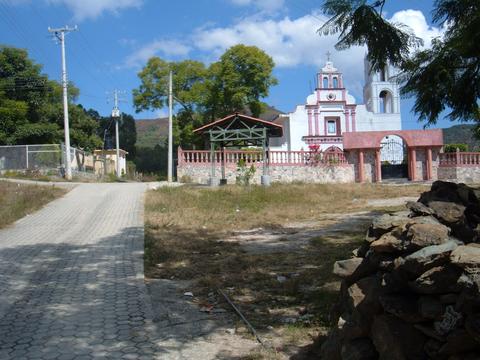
[335,82]
[331,127]
[325,82]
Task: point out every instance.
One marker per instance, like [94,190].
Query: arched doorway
[393,157]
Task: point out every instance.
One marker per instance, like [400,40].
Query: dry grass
[185,226]
[233,207]
[18,200]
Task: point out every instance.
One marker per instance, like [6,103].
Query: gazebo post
[223,180]
[213,181]
[265,178]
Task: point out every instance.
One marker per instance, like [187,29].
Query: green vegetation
[18,200]
[236,82]
[31,109]
[451,148]
[462,134]
[443,77]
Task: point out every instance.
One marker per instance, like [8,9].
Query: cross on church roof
[328,55]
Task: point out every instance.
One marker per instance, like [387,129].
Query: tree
[31,109]
[237,82]
[445,76]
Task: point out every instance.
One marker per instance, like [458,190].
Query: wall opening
[325,82]
[393,156]
[335,82]
[386,102]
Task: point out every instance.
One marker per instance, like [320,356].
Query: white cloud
[85,9]
[417,22]
[290,42]
[264,5]
[168,48]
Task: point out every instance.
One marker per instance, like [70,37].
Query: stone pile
[412,289]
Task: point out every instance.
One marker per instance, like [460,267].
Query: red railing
[232,157]
[459,159]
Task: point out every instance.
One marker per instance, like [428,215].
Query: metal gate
[394,159]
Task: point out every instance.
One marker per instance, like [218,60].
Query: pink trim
[334,157]
[330,83]
[354,123]
[378,166]
[429,163]
[347,120]
[340,81]
[459,159]
[316,123]
[361,176]
[325,127]
[310,123]
[413,163]
[318,96]
[344,95]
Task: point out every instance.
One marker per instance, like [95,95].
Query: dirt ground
[279,275]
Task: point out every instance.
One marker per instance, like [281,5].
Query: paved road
[71,279]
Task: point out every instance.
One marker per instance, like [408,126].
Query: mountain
[151,132]
[462,134]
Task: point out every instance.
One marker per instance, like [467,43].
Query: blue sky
[116,37]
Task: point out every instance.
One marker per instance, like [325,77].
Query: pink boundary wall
[372,139]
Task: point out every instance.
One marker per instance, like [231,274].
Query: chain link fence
[44,157]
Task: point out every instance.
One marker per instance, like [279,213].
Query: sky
[115,38]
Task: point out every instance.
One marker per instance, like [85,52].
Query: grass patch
[18,200]
[286,295]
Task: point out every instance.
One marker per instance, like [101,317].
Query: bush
[451,148]
[244,173]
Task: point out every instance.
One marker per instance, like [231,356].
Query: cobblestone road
[71,279]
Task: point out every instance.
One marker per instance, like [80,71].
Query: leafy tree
[31,108]
[236,82]
[445,76]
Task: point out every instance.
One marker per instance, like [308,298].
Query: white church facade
[332,111]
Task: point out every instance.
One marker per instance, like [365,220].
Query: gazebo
[238,130]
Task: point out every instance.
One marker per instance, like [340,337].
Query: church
[330,111]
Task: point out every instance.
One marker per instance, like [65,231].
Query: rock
[432,347]
[419,209]
[431,307]
[429,332]
[402,306]
[387,243]
[346,268]
[332,346]
[422,235]
[458,341]
[448,298]
[385,223]
[359,349]
[448,212]
[449,322]
[438,280]
[426,258]
[466,257]
[395,339]
[472,324]
[362,250]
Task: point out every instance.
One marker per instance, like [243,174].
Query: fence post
[457,156]
[26,154]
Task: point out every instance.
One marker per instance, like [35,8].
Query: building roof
[274,130]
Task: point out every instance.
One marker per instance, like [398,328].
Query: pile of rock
[412,289]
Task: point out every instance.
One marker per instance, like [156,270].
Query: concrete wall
[465,174]
[284,174]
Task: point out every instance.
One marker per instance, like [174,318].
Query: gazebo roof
[238,121]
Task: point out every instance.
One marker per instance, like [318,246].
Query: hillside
[461,134]
[151,132]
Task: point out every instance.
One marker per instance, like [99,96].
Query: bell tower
[381,92]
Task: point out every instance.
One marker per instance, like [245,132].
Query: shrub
[451,148]
[244,173]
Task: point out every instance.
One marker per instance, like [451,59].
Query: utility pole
[170,136]
[117,116]
[60,35]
